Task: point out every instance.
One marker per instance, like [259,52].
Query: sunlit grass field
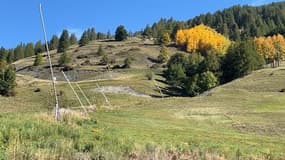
[243,119]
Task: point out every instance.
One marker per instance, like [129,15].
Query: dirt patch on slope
[120,90]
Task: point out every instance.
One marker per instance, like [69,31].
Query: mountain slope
[242,118]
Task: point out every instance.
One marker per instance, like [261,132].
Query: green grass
[244,117]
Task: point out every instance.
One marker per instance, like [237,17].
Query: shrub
[207,80]
[100,51]
[165,39]
[150,75]
[63,60]
[38,59]
[176,71]
[104,60]
[163,56]
[190,73]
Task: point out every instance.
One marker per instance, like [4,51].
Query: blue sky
[21,20]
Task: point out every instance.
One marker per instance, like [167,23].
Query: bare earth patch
[120,90]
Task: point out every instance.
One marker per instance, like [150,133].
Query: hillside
[86,64]
[242,119]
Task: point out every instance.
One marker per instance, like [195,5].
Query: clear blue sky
[20,20]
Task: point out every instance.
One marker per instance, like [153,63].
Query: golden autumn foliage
[201,38]
[271,47]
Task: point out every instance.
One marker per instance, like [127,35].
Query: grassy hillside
[244,118]
[85,61]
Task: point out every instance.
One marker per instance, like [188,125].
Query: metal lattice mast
[56,109]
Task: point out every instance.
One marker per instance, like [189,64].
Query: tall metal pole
[56,108]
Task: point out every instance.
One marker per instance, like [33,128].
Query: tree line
[236,23]
[61,44]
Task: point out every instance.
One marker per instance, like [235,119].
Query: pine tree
[121,33]
[84,40]
[235,33]
[101,36]
[7,81]
[10,56]
[29,50]
[163,56]
[19,52]
[38,59]
[73,39]
[177,27]
[53,44]
[147,32]
[176,70]
[89,36]
[109,35]
[92,36]
[63,60]
[3,65]
[225,30]
[3,54]
[100,51]
[39,47]
[240,60]
[63,42]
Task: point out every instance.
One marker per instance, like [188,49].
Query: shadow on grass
[110,40]
[170,92]
[153,60]
[146,44]
[22,68]
[161,81]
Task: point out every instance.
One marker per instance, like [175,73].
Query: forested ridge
[237,22]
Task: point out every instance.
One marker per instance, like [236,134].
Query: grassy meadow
[243,119]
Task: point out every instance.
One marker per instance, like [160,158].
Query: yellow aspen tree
[271,47]
[202,38]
